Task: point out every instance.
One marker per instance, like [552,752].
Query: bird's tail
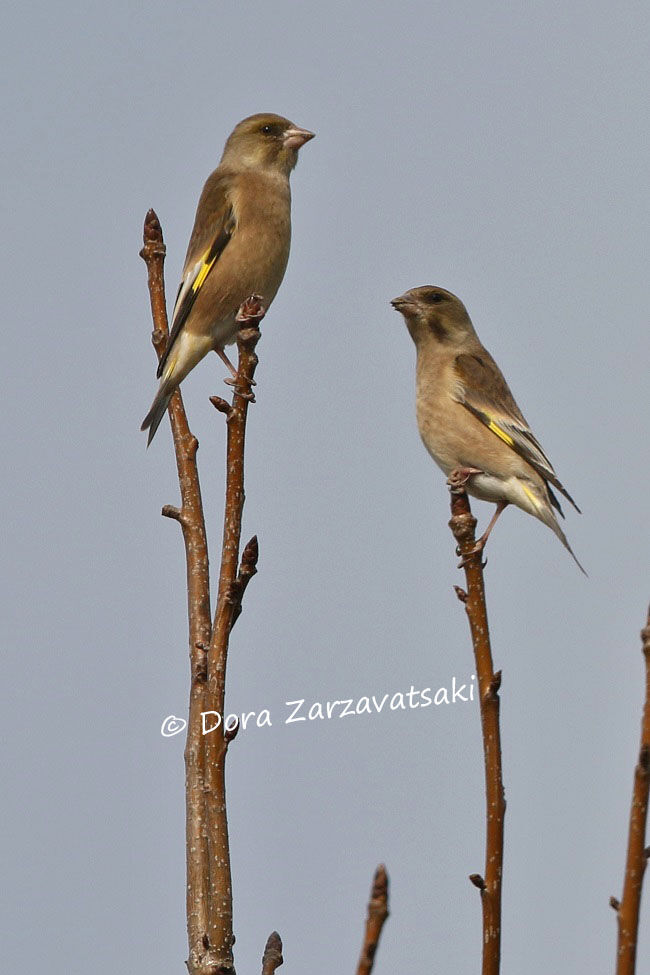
[152,420]
[539,502]
[552,523]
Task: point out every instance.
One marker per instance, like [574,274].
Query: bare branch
[220,930]
[377,914]
[463,526]
[190,517]
[637,855]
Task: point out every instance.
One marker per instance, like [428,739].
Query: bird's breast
[262,208]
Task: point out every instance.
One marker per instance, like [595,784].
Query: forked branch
[209,894]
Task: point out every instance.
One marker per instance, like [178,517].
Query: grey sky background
[498,150]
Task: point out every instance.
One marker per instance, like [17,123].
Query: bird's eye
[434,298]
[267,129]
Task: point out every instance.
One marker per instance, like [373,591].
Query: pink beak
[294,137]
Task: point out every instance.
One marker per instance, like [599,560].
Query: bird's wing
[482,389]
[207,244]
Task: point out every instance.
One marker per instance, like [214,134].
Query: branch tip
[477,880]
[614,903]
[171,511]
[250,555]
[221,405]
[231,733]
[152,237]
[380,882]
[375,920]
[152,229]
[495,684]
[272,957]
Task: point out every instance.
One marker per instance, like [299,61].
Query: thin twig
[463,526]
[272,957]
[377,914]
[637,855]
[190,517]
[220,928]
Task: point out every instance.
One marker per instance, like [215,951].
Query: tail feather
[561,488]
[554,501]
[554,526]
[152,420]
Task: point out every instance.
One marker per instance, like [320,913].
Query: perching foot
[232,381]
[459,478]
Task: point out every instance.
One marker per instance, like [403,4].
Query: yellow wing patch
[501,433]
[203,273]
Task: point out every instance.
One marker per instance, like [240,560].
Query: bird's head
[265,141]
[433,314]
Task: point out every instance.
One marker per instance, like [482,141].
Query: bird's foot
[224,358]
[475,550]
[232,381]
[480,543]
[251,310]
[245,394]
[459,478]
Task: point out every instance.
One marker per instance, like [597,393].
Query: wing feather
[209,242]
[482,390]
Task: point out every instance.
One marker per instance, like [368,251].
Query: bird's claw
[251,310]
[463,563]
[459,478]
[245,394]
[475,550]
[232,381]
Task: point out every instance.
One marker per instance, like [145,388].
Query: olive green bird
[468,418]
[239,247]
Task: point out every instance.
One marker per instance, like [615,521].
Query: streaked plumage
[239,246]
[467,416]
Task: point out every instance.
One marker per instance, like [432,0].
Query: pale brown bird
[467,417]
[239,247]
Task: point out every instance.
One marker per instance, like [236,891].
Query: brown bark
[209,895]
[191,520]
[377,914]
[463,526]
[232,582]
[637,855]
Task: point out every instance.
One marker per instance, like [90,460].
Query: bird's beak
[294,137]
[402,302]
